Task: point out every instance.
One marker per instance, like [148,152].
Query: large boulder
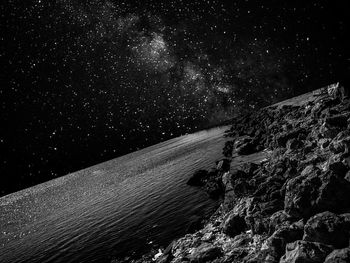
[278,220]
[300,194]
[276,243]
[205,253]
[305,252]
[233,225]
[327,228]
[340,120]
[312,193]
[198,178]
[339,256]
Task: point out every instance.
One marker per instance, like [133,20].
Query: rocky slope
[284,184]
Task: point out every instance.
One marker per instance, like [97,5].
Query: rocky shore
[284,185]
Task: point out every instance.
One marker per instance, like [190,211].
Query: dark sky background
[85,81]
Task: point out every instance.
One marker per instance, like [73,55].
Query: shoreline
[284,185]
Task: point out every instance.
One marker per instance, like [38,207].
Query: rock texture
[291,206]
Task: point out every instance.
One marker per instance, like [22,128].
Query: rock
[276,243]
[292,144]
[246,149]
[223,165]
[327,228]
[257,223]
[198,178]
[241,141]
[347,176]
[241,187]
[233,225]
[334,194]
[238,206]
[309,194]
[284,137]
[305,252]
[341,143]
[238,182]
[324,143]
[336,91]
[340,120]
[328,131]
[228,149]
[214,189]
[337,167]
[309,170]
[308,148]
[205,253]
[339,256]
[300,194]
[249,168]
[279,219]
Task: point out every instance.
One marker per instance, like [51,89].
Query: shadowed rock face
[339,256]
[292,205]
[303,251]
[327,228]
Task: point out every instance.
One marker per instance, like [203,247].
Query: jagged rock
[223,165]
[307,195]
[341,143]
[270,190]
[292,144]
[205,253]
[265,206]
[246,149]
[337,167]
[213,188]
[239,183]
[324,143]
[327,228]
[339,256]
[334,193]
[276,243]
[249,168]
[308,147]
[163,259]
[309,170]
[166,256]
[347,176]
[241,141]
[257,222]
[233,225]
[228,149]
[198,178]
[328,131]
[299,197]
[336,91]
[283,138]
[340,120]
[279,219]
[306,252]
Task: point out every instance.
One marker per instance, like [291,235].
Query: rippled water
[112,209]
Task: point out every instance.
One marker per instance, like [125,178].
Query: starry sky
[86,81]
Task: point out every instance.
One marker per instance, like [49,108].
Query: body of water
[116,208]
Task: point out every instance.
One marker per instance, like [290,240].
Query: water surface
[111,209]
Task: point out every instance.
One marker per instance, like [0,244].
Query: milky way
[86,81]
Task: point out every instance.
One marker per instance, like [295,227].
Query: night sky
[84,81]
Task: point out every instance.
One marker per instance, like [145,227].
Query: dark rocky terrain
[284,185]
